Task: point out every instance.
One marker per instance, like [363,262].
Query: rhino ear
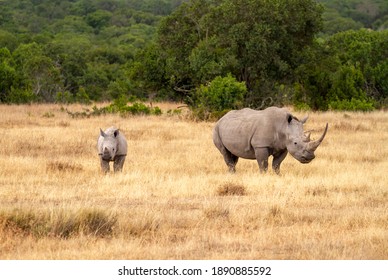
[116,133]
[102,133]
[289,118]
[304,120]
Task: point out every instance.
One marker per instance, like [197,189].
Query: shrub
[64,97]
[351,105]
[21,96]
[221,95]
[120,106]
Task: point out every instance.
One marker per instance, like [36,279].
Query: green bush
[221,95]
[64,97]
[82,97]
[21,96]
[119,106]
[352,105]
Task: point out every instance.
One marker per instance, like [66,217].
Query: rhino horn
[312,146]
[306,137]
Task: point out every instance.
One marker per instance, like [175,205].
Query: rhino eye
[295,143]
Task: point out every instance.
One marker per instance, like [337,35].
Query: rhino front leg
[277,160]
[118,163]
[262,155]
[104,165]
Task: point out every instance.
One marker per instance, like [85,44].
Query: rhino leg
[262,155]
[231,161]
[277,160]
[104,165]
[229,158]
[118,163]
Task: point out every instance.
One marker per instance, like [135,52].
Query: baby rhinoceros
[112,146]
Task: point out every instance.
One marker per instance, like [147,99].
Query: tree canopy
[324,54]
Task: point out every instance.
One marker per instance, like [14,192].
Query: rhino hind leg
[118,163]
[230,159]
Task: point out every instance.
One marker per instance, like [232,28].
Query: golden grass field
[175,198]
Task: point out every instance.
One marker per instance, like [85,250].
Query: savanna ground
[175,199]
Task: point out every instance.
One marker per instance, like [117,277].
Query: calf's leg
[118,163]
[104,165]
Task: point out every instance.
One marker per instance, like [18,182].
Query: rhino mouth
[306,159]
[106,156]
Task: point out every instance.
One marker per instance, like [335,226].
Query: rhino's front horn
[312,146]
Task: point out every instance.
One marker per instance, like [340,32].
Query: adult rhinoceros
[253,134]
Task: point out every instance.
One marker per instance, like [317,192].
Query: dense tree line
[73,50]
[354,14]
[212,54]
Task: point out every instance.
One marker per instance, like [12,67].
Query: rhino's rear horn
[312,146]
[306,137]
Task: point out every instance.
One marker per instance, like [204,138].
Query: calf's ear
[102,133]
[116,133]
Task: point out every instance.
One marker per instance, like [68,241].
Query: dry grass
[175,199]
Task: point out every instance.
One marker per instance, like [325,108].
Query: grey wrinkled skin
[252,134]
[112,146]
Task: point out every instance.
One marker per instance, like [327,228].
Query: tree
[7,73]
[38,73]
[98,19]
[258,41]
[71,54]
[346,71]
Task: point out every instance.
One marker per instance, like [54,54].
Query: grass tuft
[231,189]
[62,225]
[63,167]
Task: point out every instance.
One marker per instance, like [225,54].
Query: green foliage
[64,97]
[258,42]
[8,73]
[351,105]
[137,108]
[346,71]
[82,51]
[119,106]
[221,95]
[21,96]
[75,50]
[354,14]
